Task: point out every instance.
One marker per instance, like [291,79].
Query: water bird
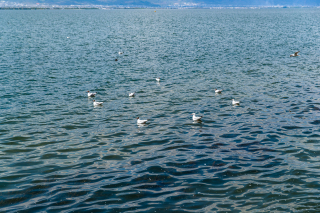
[217,90]
[139,121]
[91,94]
[132,94]
[295,54]
[158,79]
[120,53]
[116,59]
[95,103]
[195,118]
[235,102]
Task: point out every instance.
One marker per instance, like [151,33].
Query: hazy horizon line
[93,6]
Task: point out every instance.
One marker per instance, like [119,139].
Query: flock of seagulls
[142,122]
[194,117]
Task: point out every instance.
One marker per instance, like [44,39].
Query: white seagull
[195,118]
[95,103]
[158,79]
[235,102]
[120,53]
[217,90]
[91,94]
[295,54]
[132,94]
[139,121]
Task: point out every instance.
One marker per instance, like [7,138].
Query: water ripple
[60,154]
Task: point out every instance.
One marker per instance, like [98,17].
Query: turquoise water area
[58,153]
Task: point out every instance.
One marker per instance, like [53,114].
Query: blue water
[58,153]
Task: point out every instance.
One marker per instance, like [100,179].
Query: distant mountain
[163,3]
[262,2]
[100,2]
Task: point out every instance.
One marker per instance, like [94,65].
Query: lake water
[58,153]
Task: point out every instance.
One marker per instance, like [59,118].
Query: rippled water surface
[58,153]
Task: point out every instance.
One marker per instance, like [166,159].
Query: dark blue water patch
[292,127]
[256,132]
[217,145]
[302,155]
[26,164]
[54,156]
[229,135]
[113,157]
[312,141]
[93,156]
[315,122]
[31,192]
[249,144]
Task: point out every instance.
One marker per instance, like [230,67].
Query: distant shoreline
[45,8]
[99,7]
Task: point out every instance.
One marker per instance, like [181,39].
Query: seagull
[139,121]
[217,90]
[91,94]
[132,94]
[295,54]
[195,118]
[97,103]
[235,102]
[120,53]
[158,79]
